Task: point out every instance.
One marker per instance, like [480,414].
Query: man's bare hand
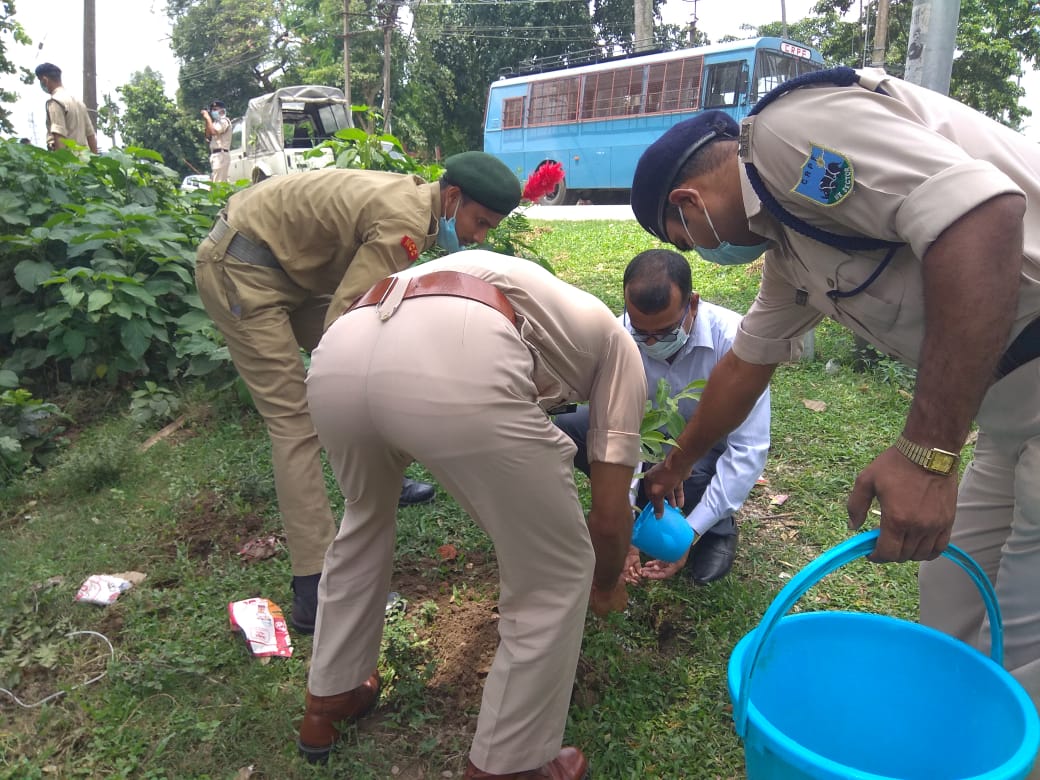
[917,508]
[662,570]
[603,602]
[663,482]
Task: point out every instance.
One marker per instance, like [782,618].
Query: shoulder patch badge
[826,177]
[410,247]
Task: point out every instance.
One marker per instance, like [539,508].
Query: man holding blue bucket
[914,221]
[681,338]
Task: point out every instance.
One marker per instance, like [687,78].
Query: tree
[473,44]
[229,49]
[9,27]
[108,117]
[151,120]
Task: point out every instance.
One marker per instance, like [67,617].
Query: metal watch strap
[930,458]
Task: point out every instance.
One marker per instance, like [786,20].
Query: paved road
[579,212]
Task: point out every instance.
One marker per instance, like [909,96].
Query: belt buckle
[389,302]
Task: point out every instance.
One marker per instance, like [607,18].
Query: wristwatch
[930,458]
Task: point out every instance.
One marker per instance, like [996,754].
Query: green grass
[181,698]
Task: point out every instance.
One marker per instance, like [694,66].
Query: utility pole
[346,61]
[90,60]
[933,35]
[877,56]
[388,16]
[643,27]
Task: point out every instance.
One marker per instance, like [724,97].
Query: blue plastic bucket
[853,696]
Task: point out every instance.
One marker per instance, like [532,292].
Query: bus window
[512,113]
[773,68]
[612,93]
[726,83]
[554,102]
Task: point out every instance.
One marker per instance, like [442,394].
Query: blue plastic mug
[666,539]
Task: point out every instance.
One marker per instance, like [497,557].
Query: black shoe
[413,492]
[711,558]
[304,603]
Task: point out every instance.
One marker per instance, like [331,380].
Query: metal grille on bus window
[553,102]
[614,93]
[512,113]
[674,86]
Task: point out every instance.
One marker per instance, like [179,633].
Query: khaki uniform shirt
[901,168]
[221,139]
[338,231]
[580,350]
[68,117]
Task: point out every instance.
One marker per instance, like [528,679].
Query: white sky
[133,34]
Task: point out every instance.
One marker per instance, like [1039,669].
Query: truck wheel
[560,196]
[258,175]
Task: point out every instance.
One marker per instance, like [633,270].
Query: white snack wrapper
[102,589]
[263,626]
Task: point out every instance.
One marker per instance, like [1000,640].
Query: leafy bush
[29,431]
[96,259]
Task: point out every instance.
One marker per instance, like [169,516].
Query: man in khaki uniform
[67,116]
[289,256]
[914,221]
[455,363]
[218,136]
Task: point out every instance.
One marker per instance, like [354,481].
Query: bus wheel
[559,196]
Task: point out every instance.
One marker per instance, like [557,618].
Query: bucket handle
[835,558]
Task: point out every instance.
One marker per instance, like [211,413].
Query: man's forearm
[971,280]
[732,391]
[610,520]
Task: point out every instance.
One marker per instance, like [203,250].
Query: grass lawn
[182,698]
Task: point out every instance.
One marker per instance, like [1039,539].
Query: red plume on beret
[543,181]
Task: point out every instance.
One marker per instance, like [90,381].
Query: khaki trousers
[219,165]
[448,381]
[998,524]
[266,319]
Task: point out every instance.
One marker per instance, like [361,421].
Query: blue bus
[595,120]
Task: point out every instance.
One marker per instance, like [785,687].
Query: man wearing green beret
[285,259]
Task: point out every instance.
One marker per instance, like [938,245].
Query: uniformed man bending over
[288,257]
[914,221]
[455,363]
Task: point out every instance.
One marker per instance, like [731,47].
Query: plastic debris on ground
[104,589]
[262,625]
[395,603]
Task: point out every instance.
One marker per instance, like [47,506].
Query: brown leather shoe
[570,764]
[317,734]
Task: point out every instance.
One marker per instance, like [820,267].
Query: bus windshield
[595,120]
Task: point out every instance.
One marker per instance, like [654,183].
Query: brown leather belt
[452,283]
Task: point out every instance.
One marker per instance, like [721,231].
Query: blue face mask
[214,115]
[725,253]
[662,350]
[446,235]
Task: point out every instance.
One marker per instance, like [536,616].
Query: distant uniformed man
[914,221]
[455,363]
[291,254]
[67,116]
[218,136]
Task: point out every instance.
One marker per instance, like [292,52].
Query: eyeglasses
[666,336]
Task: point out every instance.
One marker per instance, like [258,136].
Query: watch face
[941,462]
